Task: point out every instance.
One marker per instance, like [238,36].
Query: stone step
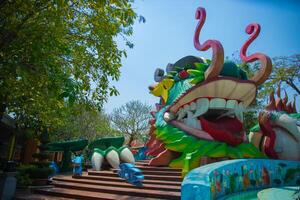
[151,168]
[117,179]
[139,163]
[29,196]
[157,172]
[147,176]
[134,191]
[159,183]
[86,195]
[174,188]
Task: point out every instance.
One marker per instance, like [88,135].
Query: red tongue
[226,129]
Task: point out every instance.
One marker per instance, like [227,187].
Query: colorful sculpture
[131,174]
[77,161]
[67,147]
[200,115]
[54,166]
[277,133]
[110,150]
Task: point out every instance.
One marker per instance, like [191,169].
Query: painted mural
[224,178]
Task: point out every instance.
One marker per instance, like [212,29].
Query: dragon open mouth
[213,110]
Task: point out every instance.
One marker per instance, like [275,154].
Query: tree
[83,122]
[56,53]
[286,71]
[131,119]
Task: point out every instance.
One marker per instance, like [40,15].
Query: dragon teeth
[238,110]
[217,103]
[190,112]
[186,108]
[181,114]
[202,107]
[193,106]
[191,121]
[231,104]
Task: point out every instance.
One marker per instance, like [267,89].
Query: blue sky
[168,33]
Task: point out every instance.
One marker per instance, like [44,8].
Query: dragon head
[202,102]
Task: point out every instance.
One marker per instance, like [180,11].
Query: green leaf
[173,73]
[194,72]
[201,66]
[178,69]
[197,80]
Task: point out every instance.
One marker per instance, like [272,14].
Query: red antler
[266,63]
[217,48]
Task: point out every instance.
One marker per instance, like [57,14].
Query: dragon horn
[217,48]
[266,64]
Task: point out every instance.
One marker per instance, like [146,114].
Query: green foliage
[131,119]
[83,122]
[57,53]
[286,70]
[285,73]
[23,180]
[250,119]
[28,172]
[35,172]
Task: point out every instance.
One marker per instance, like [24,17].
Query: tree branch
[291,83]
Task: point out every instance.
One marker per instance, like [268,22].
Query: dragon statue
[199,118]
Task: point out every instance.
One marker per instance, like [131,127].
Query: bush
[41,173]
[35,172]
[23,180]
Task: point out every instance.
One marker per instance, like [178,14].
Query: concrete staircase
[159,183]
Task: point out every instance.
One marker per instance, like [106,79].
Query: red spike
[271,105]
[279,105]
[285,101]
[279,91]
[289,108]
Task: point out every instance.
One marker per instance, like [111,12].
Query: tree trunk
[2,110]
[131,138]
